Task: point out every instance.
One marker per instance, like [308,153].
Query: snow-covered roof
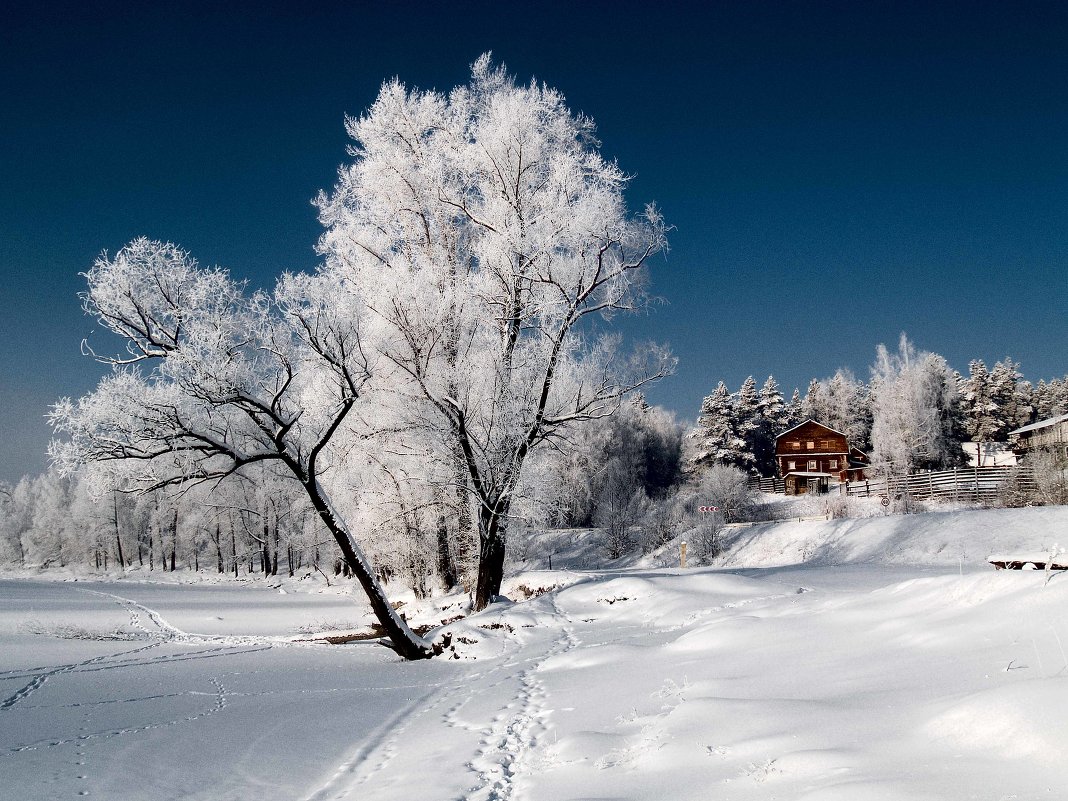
[805,474]
[817,422]
[1040,424]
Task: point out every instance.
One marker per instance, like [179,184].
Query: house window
[791,465]
[834,464]
[795,445]
[811,445]
[812,465]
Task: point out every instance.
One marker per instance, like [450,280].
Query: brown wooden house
[811,455]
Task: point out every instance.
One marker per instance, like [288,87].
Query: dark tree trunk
[218,547]
[446,569]
[174,538]
[491,555]
[265,555]
[118,539]
[233,547]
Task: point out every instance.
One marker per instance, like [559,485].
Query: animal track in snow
[220,704]
[39,680]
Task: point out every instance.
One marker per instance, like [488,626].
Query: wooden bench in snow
[1037,560]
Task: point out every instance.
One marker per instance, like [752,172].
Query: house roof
[1040,424]
[817,422]
[805,474]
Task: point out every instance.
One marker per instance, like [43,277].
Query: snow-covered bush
[1040,480]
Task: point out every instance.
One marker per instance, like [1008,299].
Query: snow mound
[1027,720]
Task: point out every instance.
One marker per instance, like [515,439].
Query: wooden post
[682,555]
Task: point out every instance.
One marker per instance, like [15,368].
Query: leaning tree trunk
[404,641]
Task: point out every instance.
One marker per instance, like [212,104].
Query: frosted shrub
[728,489]
[1041,480]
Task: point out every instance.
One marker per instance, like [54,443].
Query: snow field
[894,664]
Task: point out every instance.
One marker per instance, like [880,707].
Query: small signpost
[682,555]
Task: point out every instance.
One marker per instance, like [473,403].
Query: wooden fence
[963,484]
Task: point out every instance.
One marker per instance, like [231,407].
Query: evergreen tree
[814,407]
[748,423]
[795,410]
[774,419]
[1010,399]
[1050,399]
[1060,397]
[977,404]
[1042,398]
[715,439]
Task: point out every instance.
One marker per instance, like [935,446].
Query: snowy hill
[935,538]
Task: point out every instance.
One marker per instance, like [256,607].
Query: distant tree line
[914,412]
[636,476]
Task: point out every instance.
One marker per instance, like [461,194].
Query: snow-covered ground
[853,660]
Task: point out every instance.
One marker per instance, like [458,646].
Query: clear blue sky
[836,172]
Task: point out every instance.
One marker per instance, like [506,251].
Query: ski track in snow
[380,746]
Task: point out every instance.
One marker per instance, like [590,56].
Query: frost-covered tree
[728,489]
[621,503]
[1049,399]
[773,405]
[13,522]
[1011,396]
[982,421]
[913,414]
[748,422]
[715,439]
[847,407]
[488,229]
[642,443]
[814,406]
[795,412]
[215,380]
[774,419]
